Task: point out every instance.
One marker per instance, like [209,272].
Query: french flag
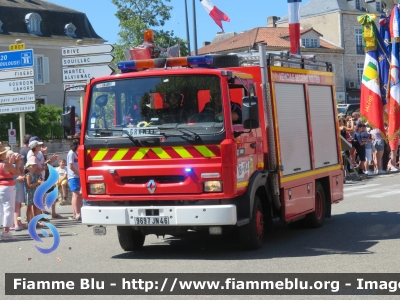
[217,15]
[294,25]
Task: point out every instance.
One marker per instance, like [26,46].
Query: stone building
[336,20]
[46,28]
[277,40]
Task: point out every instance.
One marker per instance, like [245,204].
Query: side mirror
[250,115]
[68,121]
[102,100]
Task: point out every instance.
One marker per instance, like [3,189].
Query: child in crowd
[62,178]
[53,207]
[32,181]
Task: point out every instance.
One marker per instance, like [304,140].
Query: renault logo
[151,186]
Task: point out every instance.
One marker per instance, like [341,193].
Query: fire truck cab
[161,154]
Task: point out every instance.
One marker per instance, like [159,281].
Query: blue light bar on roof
[134,65]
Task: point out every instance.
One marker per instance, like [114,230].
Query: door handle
[253,145]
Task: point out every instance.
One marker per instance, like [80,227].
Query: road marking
[361,187]
[384,194]
[362,192]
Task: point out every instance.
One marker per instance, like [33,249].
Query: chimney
[271,21]
[206,43]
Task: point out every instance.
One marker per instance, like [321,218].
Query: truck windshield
[146,106]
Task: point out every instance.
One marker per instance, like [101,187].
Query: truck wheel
[225,61]
[129,239]
[252,234]
[317,217]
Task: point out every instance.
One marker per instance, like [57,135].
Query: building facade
[46,28]
[336,20]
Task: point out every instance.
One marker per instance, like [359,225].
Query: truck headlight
[97,188]
[213,186]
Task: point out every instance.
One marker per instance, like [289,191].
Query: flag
[217,15]
[394,100]
[294,25]
[173,51]
[371,107]
[384,48]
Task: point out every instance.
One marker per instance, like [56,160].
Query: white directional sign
[16,73]
[17,86]
[10,99]
[74,87]
[87,60]
[8,109]
[86,73]
[90,49]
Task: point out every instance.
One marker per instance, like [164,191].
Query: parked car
[348,109]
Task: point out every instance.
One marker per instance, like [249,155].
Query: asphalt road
[362,236]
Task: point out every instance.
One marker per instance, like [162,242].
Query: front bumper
[202,215]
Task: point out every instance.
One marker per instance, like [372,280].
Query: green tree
[138,15]
[45,122]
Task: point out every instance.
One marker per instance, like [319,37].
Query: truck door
[248,146]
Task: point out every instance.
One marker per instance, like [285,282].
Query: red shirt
[5,179]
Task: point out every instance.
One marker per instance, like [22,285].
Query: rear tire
[317,217]
[252,234]
[129,239]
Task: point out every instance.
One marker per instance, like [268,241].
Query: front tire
[317,217]
[252,234]
[129,239]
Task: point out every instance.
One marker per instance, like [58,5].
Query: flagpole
[187,27]
[194,28]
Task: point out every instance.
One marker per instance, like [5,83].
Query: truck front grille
[157,179]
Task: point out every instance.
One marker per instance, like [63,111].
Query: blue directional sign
[16,59]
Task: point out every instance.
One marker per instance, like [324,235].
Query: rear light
[97,188]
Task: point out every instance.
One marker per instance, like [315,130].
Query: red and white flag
[217,15]
[294,25]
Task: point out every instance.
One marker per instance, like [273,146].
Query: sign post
[17,85]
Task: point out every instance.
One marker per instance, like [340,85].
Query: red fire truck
[159,155]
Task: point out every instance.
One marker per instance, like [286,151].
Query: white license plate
[137,131]
[151,221]
[98,230]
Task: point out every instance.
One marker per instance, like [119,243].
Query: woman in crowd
[7,189]
[74,180]
[379,145]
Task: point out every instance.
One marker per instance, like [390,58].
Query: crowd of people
[22,173]
[370,153]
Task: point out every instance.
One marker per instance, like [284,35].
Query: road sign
[87,60]
[86,73]
[10,99]
[14,47]
[17,86]
[8,109]
[72,87]
[83,50]
[16,73]
[12,136]
[16,59]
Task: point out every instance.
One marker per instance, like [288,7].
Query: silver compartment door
[323,125]
[293,132]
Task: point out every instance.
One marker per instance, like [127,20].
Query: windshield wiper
[191,134]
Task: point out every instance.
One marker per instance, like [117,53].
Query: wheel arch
[325,182]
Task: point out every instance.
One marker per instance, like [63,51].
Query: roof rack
[298,61]
[284,59]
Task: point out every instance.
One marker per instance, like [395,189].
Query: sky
[244,15]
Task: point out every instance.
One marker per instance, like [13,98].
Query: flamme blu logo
[38,201]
